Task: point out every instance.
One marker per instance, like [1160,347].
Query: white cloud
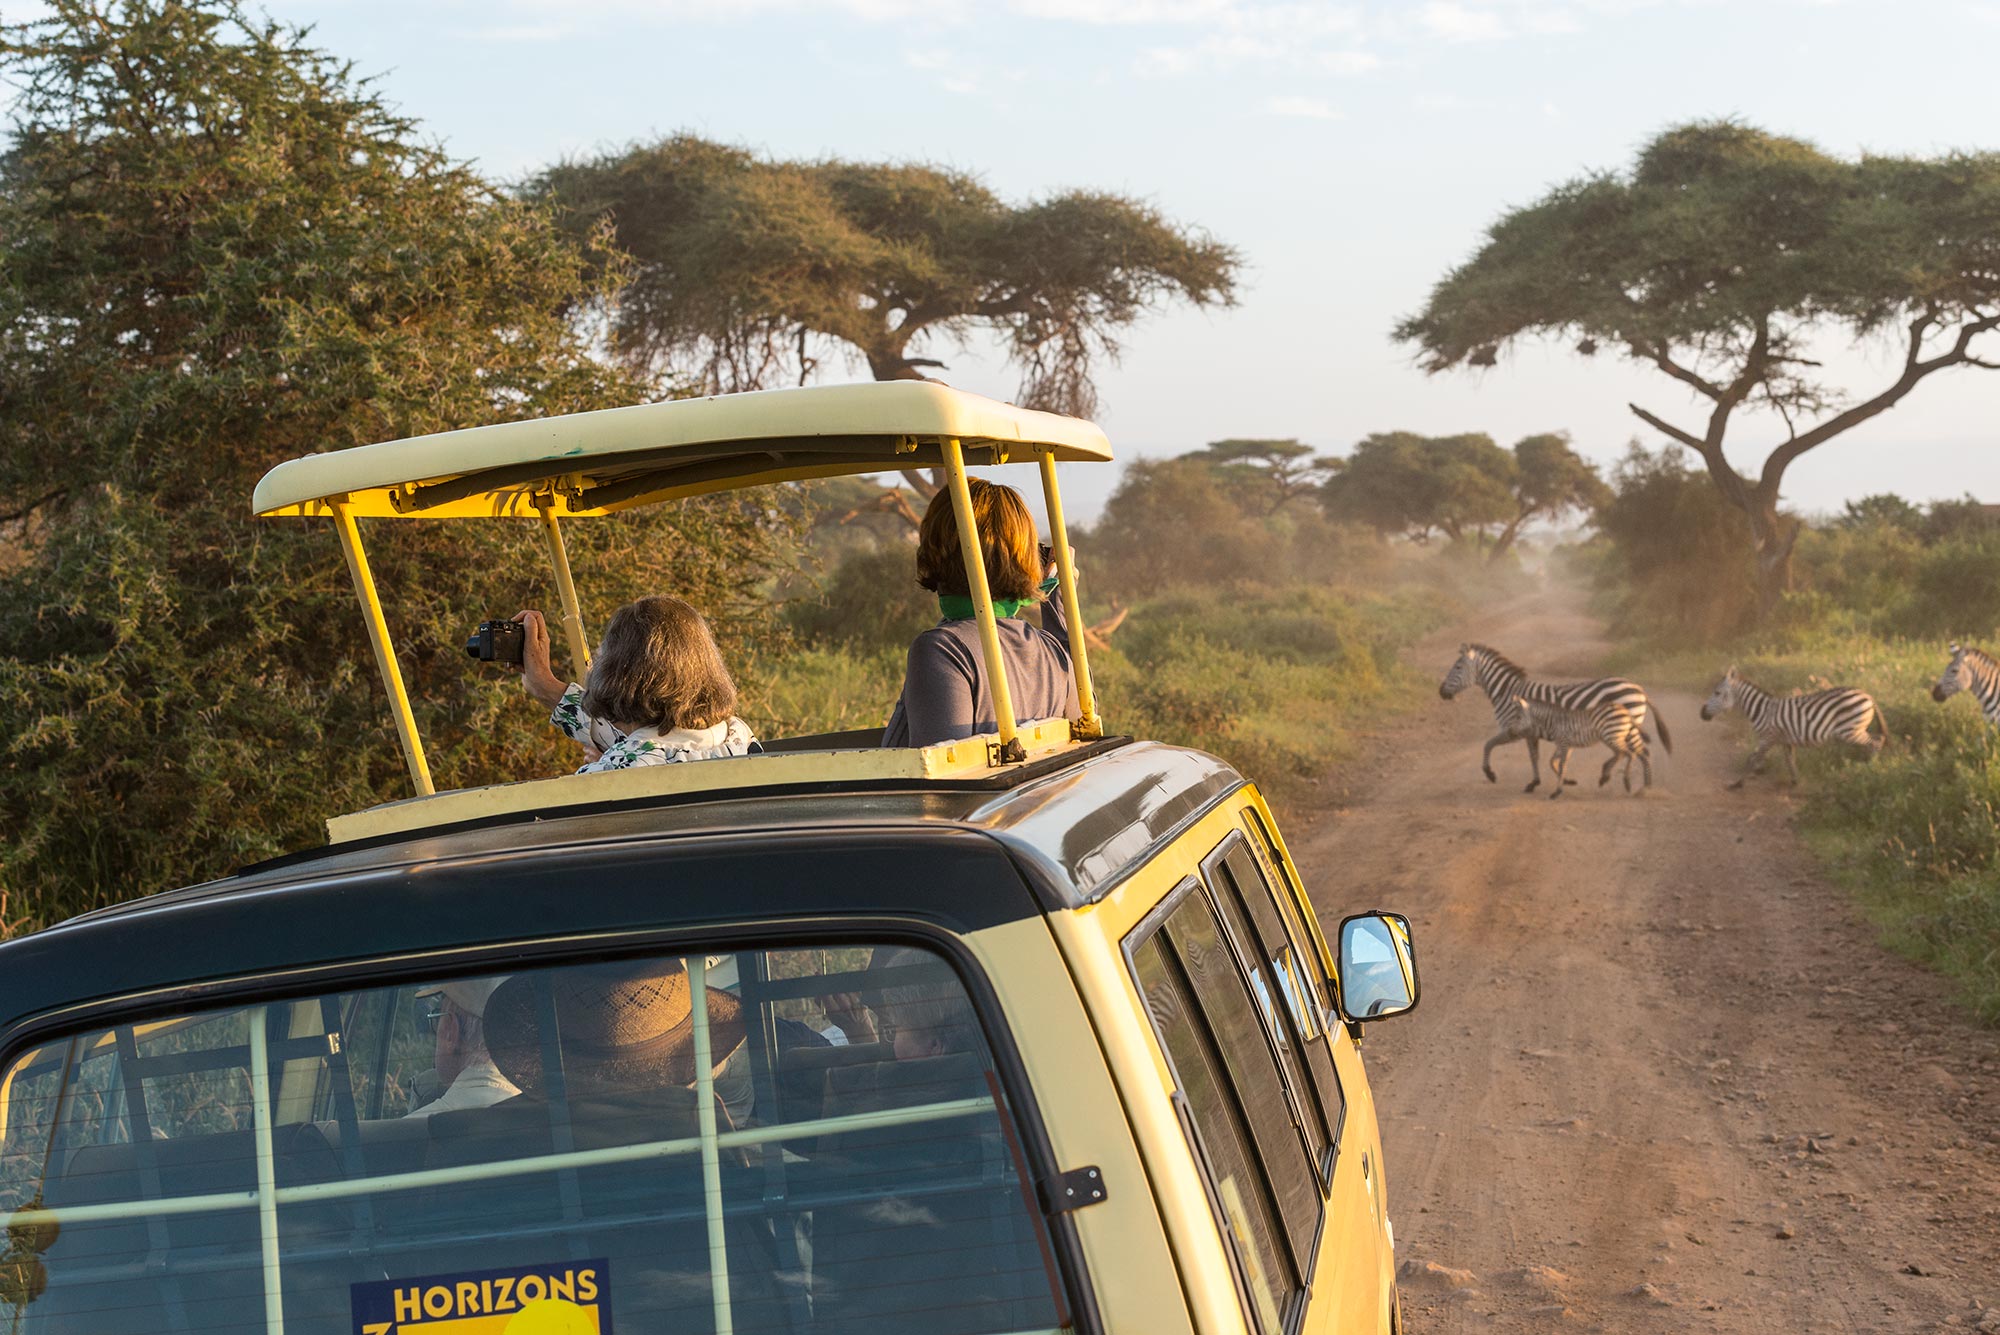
[1301,108]
[1348,62]
[1551,22]
[1461,23]
[1125,12]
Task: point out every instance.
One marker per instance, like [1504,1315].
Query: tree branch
[1914,370]
[22,512]
[1666,428]
[1660,358]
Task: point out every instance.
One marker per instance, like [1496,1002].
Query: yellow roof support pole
[974,557]
[385,653]
[579,646]
[1088,727]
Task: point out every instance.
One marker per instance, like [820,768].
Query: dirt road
[1662,1077]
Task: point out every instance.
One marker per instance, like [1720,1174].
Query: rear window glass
[785,1139]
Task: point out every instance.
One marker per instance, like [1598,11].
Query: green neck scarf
[958,606]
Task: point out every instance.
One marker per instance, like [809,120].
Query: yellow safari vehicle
[1036,1032]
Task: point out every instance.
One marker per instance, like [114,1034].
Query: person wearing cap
[464,1067]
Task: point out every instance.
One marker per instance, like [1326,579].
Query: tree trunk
[1505,541]
[1774,538]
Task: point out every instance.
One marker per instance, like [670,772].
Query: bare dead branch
[1666,428]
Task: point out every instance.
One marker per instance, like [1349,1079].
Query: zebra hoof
[1557,793]
[1491,777]
[1570,782]
[1531,787]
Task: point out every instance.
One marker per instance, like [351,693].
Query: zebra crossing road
[1662,1077]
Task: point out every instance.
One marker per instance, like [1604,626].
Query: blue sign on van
[568,1298]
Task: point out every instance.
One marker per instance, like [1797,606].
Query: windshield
[806,1138]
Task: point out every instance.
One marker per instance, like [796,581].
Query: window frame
[1316,982]
[1075,1294]
[1303,1266]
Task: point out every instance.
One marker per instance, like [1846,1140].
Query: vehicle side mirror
[1378,967]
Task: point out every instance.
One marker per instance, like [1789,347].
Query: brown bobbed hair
[659,667]
[1006,535]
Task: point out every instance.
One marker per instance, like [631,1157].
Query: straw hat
[626,1024]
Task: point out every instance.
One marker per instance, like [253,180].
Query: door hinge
[1074,1190]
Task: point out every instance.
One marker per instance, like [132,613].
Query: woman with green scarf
[945,692]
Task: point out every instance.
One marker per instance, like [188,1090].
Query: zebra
[1504,681]
[1972,670]
[1569,728]
[1840,714]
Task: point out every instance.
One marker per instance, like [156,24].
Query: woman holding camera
[656,694]
[945,692]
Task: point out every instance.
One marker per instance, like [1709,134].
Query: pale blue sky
[1353,152]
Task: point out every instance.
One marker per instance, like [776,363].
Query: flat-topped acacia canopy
[599,463]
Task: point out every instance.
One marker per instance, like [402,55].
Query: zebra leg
[1558,766]
[1756,764]
[1792,763]
[1486,756]
[1534,762]
[1604,775]
[1645,766]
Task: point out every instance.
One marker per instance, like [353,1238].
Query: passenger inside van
[657,693]
[945,692]
[464,1073]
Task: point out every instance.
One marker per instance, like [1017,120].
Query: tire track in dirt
[1662,1077]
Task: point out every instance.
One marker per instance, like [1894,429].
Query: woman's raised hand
[538,679]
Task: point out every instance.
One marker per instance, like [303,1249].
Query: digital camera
[498,642]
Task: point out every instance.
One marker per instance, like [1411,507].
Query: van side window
[1290,956]
[806,1136]
[1204,1011]
[1289,894]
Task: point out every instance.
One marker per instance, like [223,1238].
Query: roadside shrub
[869,601]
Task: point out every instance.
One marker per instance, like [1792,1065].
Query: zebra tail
[1660,722]
[1882,719]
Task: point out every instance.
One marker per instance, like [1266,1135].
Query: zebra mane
[1498,657]
[1979,656]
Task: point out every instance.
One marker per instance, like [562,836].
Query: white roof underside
[601,462]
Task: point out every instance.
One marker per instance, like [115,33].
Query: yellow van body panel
[1353,1280]
[1124,1246]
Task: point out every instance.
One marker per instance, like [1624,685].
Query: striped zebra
[1972,670]
[1841,714]
[1572,728]
[1504,682]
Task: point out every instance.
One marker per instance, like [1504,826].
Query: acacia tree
[745,269]
[1399,482]
[1550,480]
[1717,260]
[222,250]
[1271,473]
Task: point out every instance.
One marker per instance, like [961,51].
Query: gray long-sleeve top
[945,694]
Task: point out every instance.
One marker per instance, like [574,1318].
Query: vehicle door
[1237,997]
[787,1133]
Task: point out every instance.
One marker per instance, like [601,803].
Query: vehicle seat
[125,1276]
[944,1243]
[647,1217]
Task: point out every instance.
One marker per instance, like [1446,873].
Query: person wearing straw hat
[627,1025]
[456,1013]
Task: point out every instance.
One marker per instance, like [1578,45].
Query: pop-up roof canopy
[599,463]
